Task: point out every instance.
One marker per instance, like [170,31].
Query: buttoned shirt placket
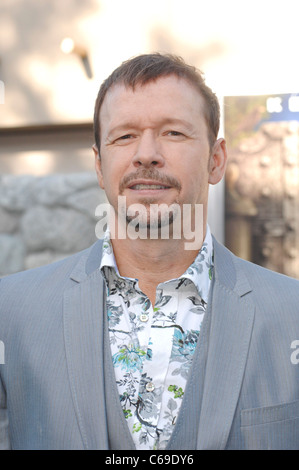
[152,346]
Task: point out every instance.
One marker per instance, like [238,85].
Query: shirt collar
[108,258]
[199,272]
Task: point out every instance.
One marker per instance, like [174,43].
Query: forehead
[163,96]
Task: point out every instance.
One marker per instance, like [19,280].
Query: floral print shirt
[152,345]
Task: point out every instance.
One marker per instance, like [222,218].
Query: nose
[148,152]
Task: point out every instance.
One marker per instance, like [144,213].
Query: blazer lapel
[83,329]
[232,316]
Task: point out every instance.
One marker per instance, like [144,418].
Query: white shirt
[152,346]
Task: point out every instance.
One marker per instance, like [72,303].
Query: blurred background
[53,57]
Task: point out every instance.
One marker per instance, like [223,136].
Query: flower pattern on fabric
[152,346]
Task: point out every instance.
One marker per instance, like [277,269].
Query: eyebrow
[175,121]
[163,122]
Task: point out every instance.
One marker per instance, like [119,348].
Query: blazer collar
[227,272]
[83,316]
[88,263]
[231,314]
[225,267]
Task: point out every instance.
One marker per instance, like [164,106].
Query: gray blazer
[52,393]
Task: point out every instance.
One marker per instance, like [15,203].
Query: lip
[148,184]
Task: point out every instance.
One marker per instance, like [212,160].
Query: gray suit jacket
[52,393]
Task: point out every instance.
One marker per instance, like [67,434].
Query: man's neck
[152,261]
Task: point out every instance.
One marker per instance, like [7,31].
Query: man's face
[154,145]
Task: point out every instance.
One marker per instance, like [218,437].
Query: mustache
[149,174]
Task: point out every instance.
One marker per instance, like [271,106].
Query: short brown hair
[149,67]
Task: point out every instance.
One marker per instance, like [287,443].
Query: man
[145,341]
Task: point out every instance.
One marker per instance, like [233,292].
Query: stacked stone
[44,219]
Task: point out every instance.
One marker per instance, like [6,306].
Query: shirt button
[150,387]
[143,317]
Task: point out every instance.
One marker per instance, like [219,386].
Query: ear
[98,166]
[217,162]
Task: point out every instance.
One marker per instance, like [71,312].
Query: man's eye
[175,133]
[125,137]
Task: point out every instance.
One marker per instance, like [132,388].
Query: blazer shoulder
[42,272]
[38,292]
[48,279]
[262,282]
[260,275]
[274,295]
[62,268]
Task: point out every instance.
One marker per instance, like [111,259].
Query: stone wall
[44,219]
[262,197]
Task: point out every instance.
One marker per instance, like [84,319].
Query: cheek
[110,178]
[114,168]
[196,184]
